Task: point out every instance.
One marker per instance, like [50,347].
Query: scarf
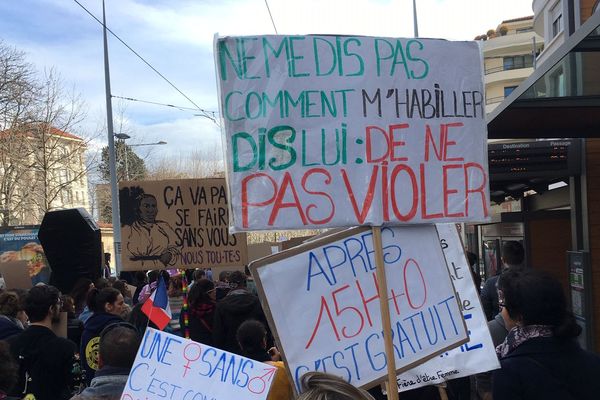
[201,311]
[519,335]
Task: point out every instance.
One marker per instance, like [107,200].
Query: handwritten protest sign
[478,354]
[177,224]
[334,322]
[324,131]
[171,367]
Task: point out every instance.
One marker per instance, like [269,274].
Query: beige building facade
[509,58]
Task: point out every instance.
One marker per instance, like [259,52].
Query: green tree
[130,167]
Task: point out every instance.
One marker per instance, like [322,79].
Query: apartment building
[42,169]
[508,58]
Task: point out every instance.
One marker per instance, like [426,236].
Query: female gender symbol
[189,358]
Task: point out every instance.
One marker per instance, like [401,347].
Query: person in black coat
[512,256]
[540,357]
[238,306]
[107,306]
[46,362]
[201,300]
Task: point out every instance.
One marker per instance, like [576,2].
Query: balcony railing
[508,68]
[493,100]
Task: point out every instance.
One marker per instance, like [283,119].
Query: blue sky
[176,36]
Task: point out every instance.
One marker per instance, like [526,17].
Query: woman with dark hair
[201,303]
[11,315]
[107,306]
[540,356]
[252,338]
[149,242]
[79,294]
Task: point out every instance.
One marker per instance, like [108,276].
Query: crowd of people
[529,320]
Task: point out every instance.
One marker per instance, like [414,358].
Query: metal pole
[126,163]
[415,23]
[111,154]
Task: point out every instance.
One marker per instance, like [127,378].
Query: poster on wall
[21,243]
[177,224]
[334,322]
[338,131]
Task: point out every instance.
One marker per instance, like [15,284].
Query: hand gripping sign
[170,367]
[329,131]
[334,322]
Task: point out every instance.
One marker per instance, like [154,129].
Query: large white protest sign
[478,354]
[171,367]
[322,300]
[324,131]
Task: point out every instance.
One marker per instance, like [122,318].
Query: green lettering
[410,57]
[293,58]
[330,104]
[276,103]
[289,100]
[361,64]
[225,55]
[227,107]
[267,46]
[245,57]
[308,104]
[234,145]
[272,136]
[379,58]
[317,59]
[399,51]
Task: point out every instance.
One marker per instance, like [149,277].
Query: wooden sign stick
[442,392]
[392,383]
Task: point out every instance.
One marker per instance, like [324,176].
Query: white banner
[322,300]
[171,367]
[478,354]
[326,131]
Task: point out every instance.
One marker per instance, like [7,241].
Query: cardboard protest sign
[326,131]
[169,366]
[15,275]
[478,354]
[21,243]
[177,224]
[322,300]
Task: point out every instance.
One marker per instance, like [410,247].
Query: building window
[516,62]
[508,90]
[556,19]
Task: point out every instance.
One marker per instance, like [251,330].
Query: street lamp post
[116,223]
[134,145]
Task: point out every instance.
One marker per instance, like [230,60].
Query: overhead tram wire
[271,15]
[198,108]
[207,113]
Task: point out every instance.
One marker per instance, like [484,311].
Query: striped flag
[156,307]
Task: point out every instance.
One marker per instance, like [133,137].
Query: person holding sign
[540,356]
[252,337]
[151,243]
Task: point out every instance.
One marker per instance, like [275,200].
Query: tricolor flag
[157,306]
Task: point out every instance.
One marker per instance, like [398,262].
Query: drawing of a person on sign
[150,243]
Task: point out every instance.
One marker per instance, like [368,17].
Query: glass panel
[575,75]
